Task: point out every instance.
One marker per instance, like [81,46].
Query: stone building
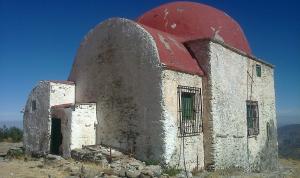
[179,85]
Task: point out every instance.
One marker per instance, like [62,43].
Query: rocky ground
[97,161]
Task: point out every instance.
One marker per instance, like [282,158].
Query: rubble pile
[116,163]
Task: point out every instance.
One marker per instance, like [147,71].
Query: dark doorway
[56,136]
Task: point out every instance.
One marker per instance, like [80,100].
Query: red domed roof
[191,21]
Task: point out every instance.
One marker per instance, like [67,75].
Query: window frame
[258,70]
[193,125]
[253,116]
[33,105]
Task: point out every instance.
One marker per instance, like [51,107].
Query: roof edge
[166,67]
[240,52]
[67,82]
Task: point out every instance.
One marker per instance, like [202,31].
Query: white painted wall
[227,86]
[65,115]
[61,93]
[37,124]
[83,125]
[117,66]
[175,151]
[78,126]
[263,150]
[231,80]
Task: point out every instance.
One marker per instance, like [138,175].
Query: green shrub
[15,153]
[13,134]
[171,171]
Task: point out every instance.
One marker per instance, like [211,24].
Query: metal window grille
[252,118]
[189,110]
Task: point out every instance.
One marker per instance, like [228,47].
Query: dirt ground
[39,167]
[5,146]
[28,167]
[49,169]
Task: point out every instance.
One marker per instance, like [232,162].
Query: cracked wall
[229,79]
[192,149]
[117,67]
[37,123]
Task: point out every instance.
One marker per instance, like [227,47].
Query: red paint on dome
[191,21]
[172,52]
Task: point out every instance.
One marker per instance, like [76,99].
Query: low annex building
[179,85]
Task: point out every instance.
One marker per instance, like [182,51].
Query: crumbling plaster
[37,123]
[232,75]
[36,133]
[117,66]
[117,69]
[228,83]
[83,125]
[65,115]
[192,150]
[77,125]
[61,93]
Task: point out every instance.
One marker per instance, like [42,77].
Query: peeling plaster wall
[83,125]
[227,86]
[61,93]
[231,80]
[117,66]
[37,124]
[201,51]
[77,126]
[229,91]
[263,149]
[65,114]
[193,147]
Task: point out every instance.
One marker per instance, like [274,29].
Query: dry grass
[293,164]
[289,168]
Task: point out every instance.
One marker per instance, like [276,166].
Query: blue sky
[39,39]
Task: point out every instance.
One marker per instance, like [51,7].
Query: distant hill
[289,141]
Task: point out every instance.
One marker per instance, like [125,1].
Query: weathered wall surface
[229,84]
[117,67]
[231,77]
[83,125]
[200,50]
[35,122]
[263,149]
[229,91]
[61,93]
[65,115]
[192,150]
[78,126]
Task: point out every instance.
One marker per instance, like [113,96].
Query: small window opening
[252,118]
[33,105]
[189,99]
[258,70]
[268,131]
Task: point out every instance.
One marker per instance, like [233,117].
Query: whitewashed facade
[120,94]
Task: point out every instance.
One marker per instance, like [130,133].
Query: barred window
[252,118]
[189,110]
